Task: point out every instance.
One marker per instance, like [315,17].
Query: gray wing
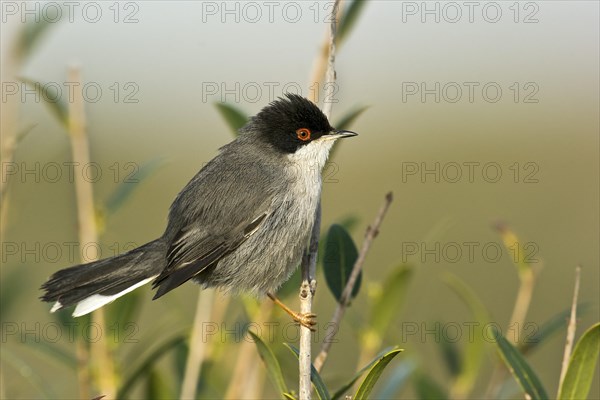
[218,210]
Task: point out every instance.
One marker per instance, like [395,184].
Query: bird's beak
[338,134]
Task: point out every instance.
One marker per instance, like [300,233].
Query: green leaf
[52,98]
[390,299]
[365,388]
[348,118]
[180,355]
[450,352]
[33,32]
[428,389]
[130,182]
[398,377]
[349,18]
[156,386]
[523,257]
[519,368]
[582,365]
[288,396]
[273,367]
[474,351]
[317,382]
[26,371]
[340,392]
[338,261]
[350,222]
[52,349]
[145,366]
[549,328]
[234,117]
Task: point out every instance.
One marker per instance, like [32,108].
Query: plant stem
[570,330]
[197,345]
[332,326]
[101,362]
[309,261]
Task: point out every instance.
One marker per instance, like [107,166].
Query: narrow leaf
[340,392]
[450,352]
[33,32]
[474,351]
[348,118]
[234,117]
[273,367]
[519,368]
[582,365]
[129,183]
[398,377]
[146,365]
[349,18]
[548,329]
[156,386]
[52,349]
[391,298]
[365,388]
[350,222]
[340,256]
[317,382]
[52,98]
[428,389]
[523,257]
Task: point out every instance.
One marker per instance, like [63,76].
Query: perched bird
[240,224]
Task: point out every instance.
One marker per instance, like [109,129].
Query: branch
[102,363]
[309,261]
[371,233]
[570,329]
[197,345]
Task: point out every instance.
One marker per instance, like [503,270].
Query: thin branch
[101,361]
[197,345]
[309,261]
[570,329]
[370,235]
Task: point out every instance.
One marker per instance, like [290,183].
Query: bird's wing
[207,224]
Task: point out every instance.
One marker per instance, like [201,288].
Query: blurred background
[476,115]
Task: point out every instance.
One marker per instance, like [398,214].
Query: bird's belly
[270,256]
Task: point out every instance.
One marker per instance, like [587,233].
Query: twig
[103,368]
[570,329]
[371,233]
[197,345]
[309,261]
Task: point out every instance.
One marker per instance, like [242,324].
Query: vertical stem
[570,329]
[197,345]
[309,261]
[101,362]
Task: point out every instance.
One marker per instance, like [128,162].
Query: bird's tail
[92,285]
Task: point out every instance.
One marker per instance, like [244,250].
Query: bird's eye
[303,134]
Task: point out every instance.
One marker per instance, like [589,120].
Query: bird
[240,224]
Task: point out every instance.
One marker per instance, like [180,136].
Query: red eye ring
[303,134]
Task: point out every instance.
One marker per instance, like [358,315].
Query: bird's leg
[306,320]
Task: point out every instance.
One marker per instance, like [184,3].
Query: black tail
[95,284]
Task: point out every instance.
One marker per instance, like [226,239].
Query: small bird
[240,224]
